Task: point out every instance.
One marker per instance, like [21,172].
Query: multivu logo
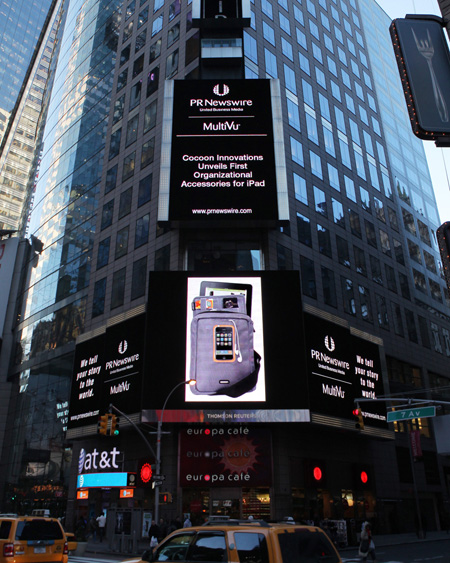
[123,347]
[81,460]
[225,90]
[329,343]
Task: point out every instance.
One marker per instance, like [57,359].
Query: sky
[438,158]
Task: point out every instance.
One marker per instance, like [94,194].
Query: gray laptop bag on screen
[223,361]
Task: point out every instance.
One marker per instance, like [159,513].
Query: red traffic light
[364,477]
[146,472]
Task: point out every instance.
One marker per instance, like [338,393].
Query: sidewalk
[401,539]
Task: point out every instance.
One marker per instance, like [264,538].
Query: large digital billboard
[108,369]
[343,367]
[222,157]
[239,337]
[423,59]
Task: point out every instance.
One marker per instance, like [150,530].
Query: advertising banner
[222,154]
[239,339]
[343,367]
[108,369]
[225,456]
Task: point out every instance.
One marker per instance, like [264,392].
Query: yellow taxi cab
[32,539]
[237,541]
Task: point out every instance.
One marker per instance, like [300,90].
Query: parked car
[30,539]
[237,541]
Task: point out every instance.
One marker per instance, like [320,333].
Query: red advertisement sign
[225,456]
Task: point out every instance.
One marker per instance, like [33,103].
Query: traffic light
[165,498]
[114,425]
[102,427]
[359,419]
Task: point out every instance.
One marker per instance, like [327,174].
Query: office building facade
[361,236]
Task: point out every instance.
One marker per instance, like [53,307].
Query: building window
[390,278]
[150,116]
[148,151]
[375,266]
[139,278]
[323,236]
[370,234]
[328,287]
[308,277]
[271,63]
[348,296]
[138,66]
[360,261]
[300,189]
[111,179]
[316,164]
[98,306]
[338,212]
[135,95]
[103,252]
[122,242]
[132,130]
[398,321]
[114,143]
[385,243]
[118,288]
[304,230]
[355,224]
[142,230]
[284,257]
[293,115]
[128,166]
[424,334]
[320,201]
[145,190]
[398,251]
[297,152]
[365,304]
[157,25]
[382,314]
[119,106]
[404,286]
[141,39]
[107,214]
[411,326]
[343,252]
[172,65]
[155,50]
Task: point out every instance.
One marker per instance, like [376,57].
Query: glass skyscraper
[362,235]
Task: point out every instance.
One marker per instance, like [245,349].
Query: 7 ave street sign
[409,414]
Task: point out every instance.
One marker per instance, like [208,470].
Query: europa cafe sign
[225,456]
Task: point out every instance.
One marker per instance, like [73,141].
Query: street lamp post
[158,443]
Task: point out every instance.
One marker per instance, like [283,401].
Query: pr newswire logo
[123,347]
[224,92]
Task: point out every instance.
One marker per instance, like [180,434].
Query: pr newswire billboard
[343,367]
[222,157]
[108,369]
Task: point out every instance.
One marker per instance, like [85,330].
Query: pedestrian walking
[367,545]
[162,529]
[101,523]
[187,522]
